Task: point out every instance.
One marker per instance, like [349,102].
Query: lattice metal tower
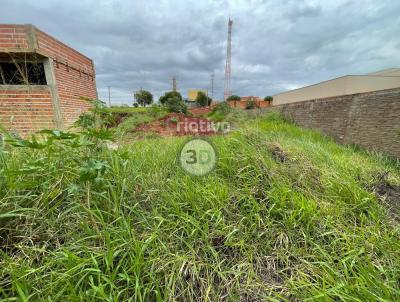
[227,88]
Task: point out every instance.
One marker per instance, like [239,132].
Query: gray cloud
[277,45]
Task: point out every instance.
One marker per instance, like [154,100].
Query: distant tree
[170,94]
[173,101]
[135,105]
[268,99]
[175,104]
[143,97]
[202,99]
[234,98]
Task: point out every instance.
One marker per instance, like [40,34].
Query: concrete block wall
[370,120]
[345,85]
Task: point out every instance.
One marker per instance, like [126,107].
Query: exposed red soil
[116,118]
[201,110]
[178,124]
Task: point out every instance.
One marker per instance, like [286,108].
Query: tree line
[174,102]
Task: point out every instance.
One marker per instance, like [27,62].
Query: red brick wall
[13,37]
[71,85]
[26,110]
[63,53]
[75,76]
[74,72]
[243,104]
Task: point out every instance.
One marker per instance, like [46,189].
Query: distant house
[192,95]
[250,99]
[350,84]
[245,101]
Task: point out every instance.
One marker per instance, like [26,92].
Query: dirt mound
[178,124]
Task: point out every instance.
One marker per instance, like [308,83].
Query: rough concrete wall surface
[26,110]
[370,120]
[346,85]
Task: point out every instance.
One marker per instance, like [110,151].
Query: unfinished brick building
[245,101]
[41,80]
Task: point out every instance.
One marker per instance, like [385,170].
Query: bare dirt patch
[115,118]
[201,110]
[178,124]
[277,152]
[389,195]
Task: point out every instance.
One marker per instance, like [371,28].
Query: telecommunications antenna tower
[227,88]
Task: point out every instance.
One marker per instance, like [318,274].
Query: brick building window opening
[22,73]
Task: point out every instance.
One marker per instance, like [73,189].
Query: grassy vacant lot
[286,215]
[127,109]
[133,117]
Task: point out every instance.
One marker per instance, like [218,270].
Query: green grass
[135,118]
[127,109]
[255,229]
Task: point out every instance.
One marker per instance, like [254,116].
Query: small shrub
[220,111]
[222,108]
[173,101]
[175,104]
[97,117]
[156,111]
[85,120]
[168,95]
[202,99]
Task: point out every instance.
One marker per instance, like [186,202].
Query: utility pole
[227,88]
[109,96]
[212,85]
[174,84]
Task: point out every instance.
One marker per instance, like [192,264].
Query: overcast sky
[276,45]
